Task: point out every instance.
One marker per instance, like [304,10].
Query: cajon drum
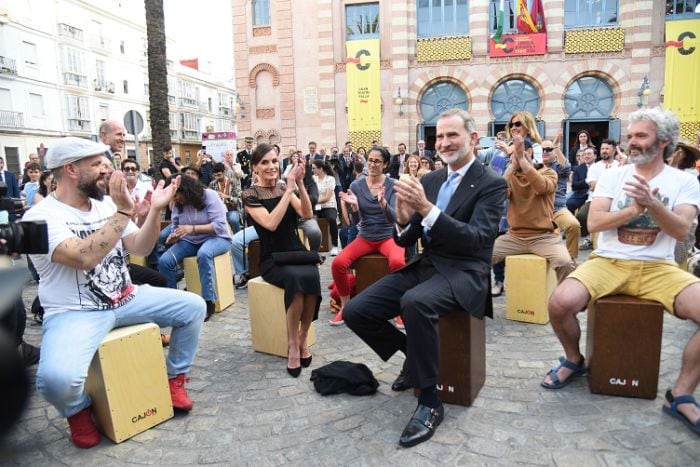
[128,382]
[302,238]
[529,283]
[253,259]
[138,260]
[223,281]
[268,318]
[369,269]
[623,346]
[462,358]
[325,235]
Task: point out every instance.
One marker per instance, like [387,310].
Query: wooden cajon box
[268,318]
[253,259]
[302,238]
[223,282]
[369,269]
[138,260]
[623,346]
[529,283]
[325,235]
[128,382]
[462,358]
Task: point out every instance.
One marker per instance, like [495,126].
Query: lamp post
[644,93]
[239,107]
[399,101]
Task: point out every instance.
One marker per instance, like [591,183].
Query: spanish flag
[525,23]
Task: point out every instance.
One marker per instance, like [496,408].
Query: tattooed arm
[87,252]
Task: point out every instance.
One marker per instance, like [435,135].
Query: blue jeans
[234,220]
[205,252]
[160,247]
[238,246]
[71,339]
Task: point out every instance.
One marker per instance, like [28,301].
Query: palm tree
[157,78]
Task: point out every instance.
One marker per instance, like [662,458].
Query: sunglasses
[547,149]
[515,124]
[130,169]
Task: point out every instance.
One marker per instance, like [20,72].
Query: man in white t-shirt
[608,148]
[85,287]
[641,210]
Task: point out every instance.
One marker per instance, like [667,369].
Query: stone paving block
[487,447]
[575,459]
[626,460]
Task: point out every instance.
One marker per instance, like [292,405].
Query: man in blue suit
[457,217]
[9,179]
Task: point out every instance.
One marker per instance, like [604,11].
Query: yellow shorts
[660,281]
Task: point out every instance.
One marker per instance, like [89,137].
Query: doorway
[598,129]
[427,134]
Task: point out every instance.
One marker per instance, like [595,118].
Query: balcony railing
[225,110]
[67,30]
[77,124]
[8,65]
[74,79]
[188,102]
[9,119]
[190,134]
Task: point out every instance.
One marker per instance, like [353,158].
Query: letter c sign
[359,54]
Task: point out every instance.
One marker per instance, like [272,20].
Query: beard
[457,156]
[645,155]
[91,190]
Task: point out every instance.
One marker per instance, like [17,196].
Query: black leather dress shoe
[401,383]
[422,425]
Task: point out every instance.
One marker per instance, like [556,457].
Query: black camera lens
[24,237]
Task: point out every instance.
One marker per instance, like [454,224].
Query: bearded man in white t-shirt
[85,287]
[640,210]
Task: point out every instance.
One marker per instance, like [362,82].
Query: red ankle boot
[178,394]
[83,430]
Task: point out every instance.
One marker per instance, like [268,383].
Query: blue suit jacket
[12,185]
[463,235]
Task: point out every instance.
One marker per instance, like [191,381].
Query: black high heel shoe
[294,372]
[306,361]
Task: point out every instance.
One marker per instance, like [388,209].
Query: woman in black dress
[274,209]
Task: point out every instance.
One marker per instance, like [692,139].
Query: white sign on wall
[217,143]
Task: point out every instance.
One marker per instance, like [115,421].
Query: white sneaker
[334,251]
[497,289]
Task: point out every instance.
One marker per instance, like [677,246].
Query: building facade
[597,61]
[78,63]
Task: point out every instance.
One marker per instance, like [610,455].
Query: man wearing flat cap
[85,287]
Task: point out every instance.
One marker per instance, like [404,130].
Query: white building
[68,65]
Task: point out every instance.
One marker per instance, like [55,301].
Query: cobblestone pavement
[249,411]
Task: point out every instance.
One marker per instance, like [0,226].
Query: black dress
[293,279]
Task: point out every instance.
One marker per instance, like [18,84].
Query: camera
[9,204]
[24,237]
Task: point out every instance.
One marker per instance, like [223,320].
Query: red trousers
[361,247]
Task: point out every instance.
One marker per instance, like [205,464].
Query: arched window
[264,91]
[589,97]
[514,95]
[441,96]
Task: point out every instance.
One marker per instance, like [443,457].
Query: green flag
[496,36]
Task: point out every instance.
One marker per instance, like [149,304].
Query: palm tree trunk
[157,79]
